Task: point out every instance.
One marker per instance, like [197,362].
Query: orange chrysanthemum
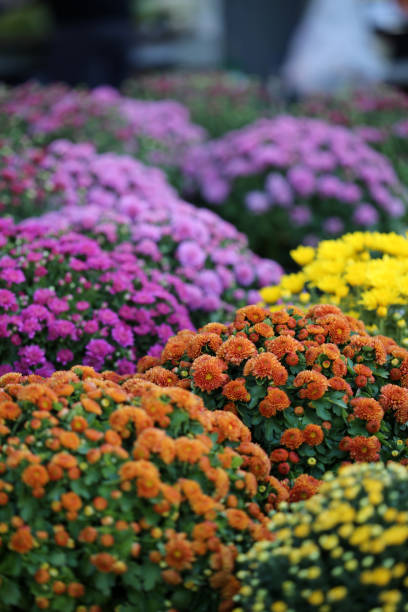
[263,329]
[236,349]
[179,552]
[214,328]
[278,455]
[283,345]
[148,485]
[22,541]
[254,314]
[278,398]
[201,341]
[171,577]
[176,346]
[321,310]
[255,459]
[305,486]
[292,438]
[103,562]
[229,427]
[69,439]
[315,384]
[266,365]
[364,449]
[367,409]
[339,384]
[9,410]
[238,519]
[35,476]
[189,450]
[71,501]
[236,391]
[313,435]
[161,377]
[208,373]
[147,362]
[396,399]
[337,327]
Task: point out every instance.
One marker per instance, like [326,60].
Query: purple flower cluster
[104,117]
[302,172]
[116,198]
[66,300]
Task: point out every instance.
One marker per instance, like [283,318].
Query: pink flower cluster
[23,189]
[305,171]
[104,117]
[120,200]
[66,300]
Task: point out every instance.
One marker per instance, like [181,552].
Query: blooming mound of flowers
[103,116]
[365,273]
[345,547]
[300,178]
[64,299]
[120,200]
[125,495]
[219,101]
[373,107]
[23,187]
[315,389]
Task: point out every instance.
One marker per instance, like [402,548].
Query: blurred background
[97,42]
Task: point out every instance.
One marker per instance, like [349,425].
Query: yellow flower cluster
[345,546]
[365,273]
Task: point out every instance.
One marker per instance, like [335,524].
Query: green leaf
[257,393]
[322,412]
[57,558]
[151,574]
[9,593]
[103,582]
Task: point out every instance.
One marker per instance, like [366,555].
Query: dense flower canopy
[303,176]
[120,200]
[314,388]
[345,547]
[148,494]
[102,116]
[365,273]
[65,299]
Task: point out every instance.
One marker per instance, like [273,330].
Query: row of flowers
[151,491]
[304,177]
[125,495]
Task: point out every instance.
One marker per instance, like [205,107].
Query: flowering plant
[63,298]
[315,389]
[157,130]
[345,547]
[375,107]
[121,497]
[377,114]
[126,202]
[23,181]
[303,178]
[365,273]
[218,101]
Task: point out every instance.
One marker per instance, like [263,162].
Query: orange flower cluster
[305,383]
[125,478]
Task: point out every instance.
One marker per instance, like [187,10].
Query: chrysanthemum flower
[364,449]
[292,438]
[314,384]
[313,434]
[396,399]
[236,349]
[208,373]
[266,365]
[367,409]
